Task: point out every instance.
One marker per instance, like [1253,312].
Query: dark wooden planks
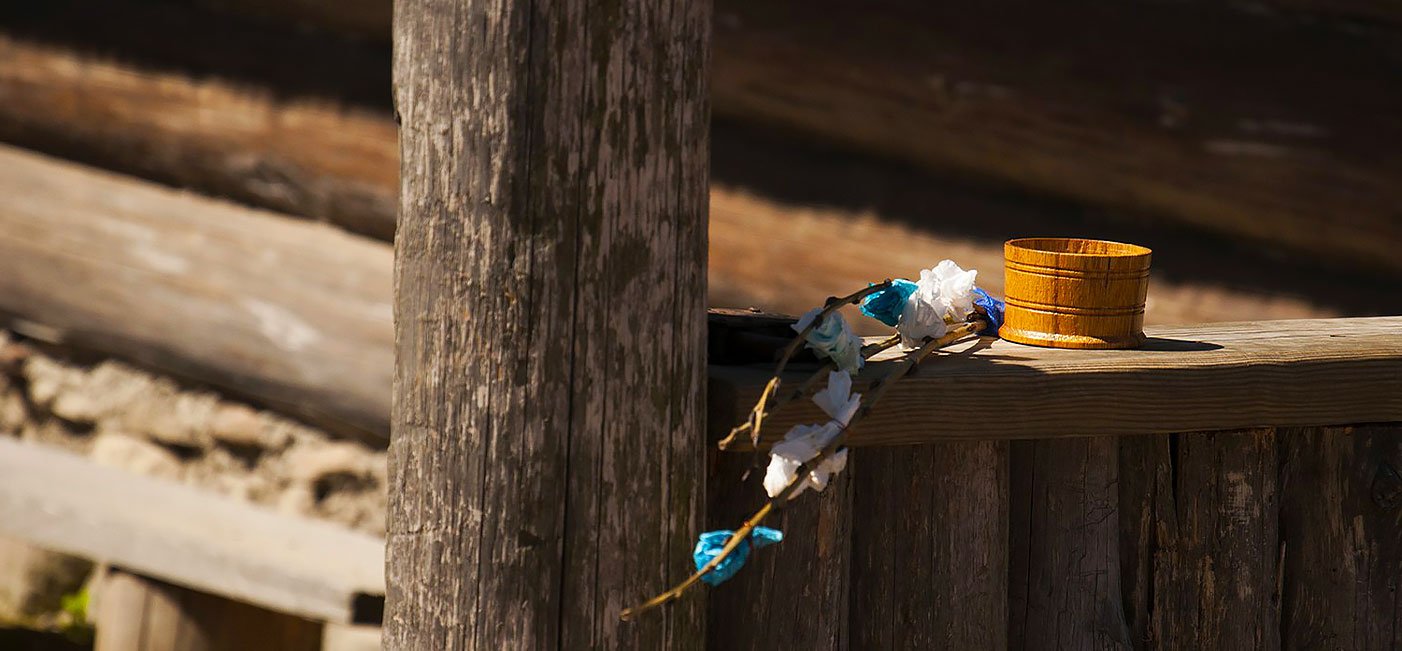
[1188,378]
[1064,569]
[929,546]
[1266,125]
[1098,102]
[1199,539]
[795,594]
[546,460]
[1341,534]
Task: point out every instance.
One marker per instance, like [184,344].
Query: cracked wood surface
[546,455]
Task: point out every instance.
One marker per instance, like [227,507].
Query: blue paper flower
[886,305]
[993,308]
[709,544]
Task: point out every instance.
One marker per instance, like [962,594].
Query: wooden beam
[1099,103]
[1304,372]
[308,156]
[547,452]
[1222,139]
[289,313]
[201,541]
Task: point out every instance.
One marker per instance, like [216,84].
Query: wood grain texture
[795,594]
[1198,519]
[292,314]
[1189,378]
[1220,137]
[141,614]
[546,460]
[1064,589]
[1074,293]
[305,156]
[930,546]
[1341,501]
[202,541]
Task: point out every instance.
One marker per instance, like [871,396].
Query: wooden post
[136,613]
[549,310]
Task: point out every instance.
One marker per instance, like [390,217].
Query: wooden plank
[1221,139]
[141,614]
[201,541]
[1116,113]
[794,595]
[1199,520]
[305,156]
[1189,378]
[930,546]
[1064,589]
[370,18]
[546,469]
[1341,498]
[291,314]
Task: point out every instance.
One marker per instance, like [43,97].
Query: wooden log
[1341,554]
[1188,378]
[311,157]
[546,460]
[1099,103]
[292,314]
[930,546]
[1221,139]
[200,541]
[369,19]
[140,614]
[306,156]
[1064,587]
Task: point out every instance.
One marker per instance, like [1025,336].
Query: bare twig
[756,417]
[777,502]
[802,390]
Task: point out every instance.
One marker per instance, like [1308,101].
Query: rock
[46,379]
[33,580]
[310,463]
[13,413]
[238,425]
[129,453]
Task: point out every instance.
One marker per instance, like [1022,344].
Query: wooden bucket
[1074,293]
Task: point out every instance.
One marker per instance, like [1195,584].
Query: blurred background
[197,199]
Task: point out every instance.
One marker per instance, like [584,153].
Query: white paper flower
[801,444]
[944,293]
[837,400]
[833,339]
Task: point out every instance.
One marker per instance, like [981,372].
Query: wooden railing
[1212,490]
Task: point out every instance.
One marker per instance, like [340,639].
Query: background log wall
[1249,539]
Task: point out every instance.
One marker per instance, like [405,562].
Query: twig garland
[761,409]
[802,390]
[877,390]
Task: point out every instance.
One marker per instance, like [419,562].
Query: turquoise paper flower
[709,544]
[886,305]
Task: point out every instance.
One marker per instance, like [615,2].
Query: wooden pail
[1074,293]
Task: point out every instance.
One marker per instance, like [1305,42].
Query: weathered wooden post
[549,317]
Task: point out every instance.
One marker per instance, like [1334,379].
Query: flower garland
[942,307]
